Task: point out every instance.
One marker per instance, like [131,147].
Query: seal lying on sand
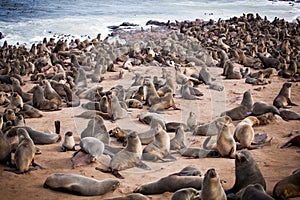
[288,187]
[81,185]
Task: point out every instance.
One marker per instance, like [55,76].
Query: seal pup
[24,155]
[179,141]
[244,132]
[127,158]
[226,145]
[186,92]
[133,196]
[117,112]
[212,128]
[288,187]
[211,186]
[159,149]
[246,172]
[92,146]
[287,115]
[16,101]
[163,185]
[243,109]
[283,99]
[295,141]
[81,185]
[253,191]
[162,103]
[186,194]
[192,121]
[69,142]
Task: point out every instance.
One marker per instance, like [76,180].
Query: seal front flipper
[142,165]
[109,170]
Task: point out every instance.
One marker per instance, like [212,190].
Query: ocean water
[29,21]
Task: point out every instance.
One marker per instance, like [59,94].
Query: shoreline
[189,45]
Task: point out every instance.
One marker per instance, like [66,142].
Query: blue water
[30,21]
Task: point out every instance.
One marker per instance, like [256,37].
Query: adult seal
[246,172]
[81,185]
[283,99]
[211,186]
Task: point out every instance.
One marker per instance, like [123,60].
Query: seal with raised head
[117,112]
[81,185]
[244,132]
[246,172]
[94,126]
[40,102]
[69,142]
[226,145]
[243,109]
[127,158]
[159,149]
[211,186]
[288,187]
[283,99]
[179,141]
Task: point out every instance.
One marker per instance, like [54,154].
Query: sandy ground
[275,163]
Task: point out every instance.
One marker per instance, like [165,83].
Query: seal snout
[212,173]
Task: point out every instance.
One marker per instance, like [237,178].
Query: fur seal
[163,103]
[134,196]
[179,141]
[260,108]
[16,101]
[192,121]
[69,142]
[127,158]
[159,149]
[51,94]
[287,115]
[283,99]
[246,172]
[81,185]
[212,128]
[244,132]
[295,141]
[211,186]
[253,191]
[95,126]
[40,102]
[186,92]
[288,187]
[226,145]
[243,109]
[163,185]
[24,155]
[147,118]
[186,193]
[134,103]
[117,112]
[229,73]
[92,146]
[29,111]
[16,87]
[4,149]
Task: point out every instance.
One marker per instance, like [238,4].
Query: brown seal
[30,112]
[134,103]
[133,196]
[288,187]
[229,73]
[226,145]
[69,142]
[16,101]
[246,172]
[163,185]
[40,102]
[211,186]
[16,87]
[283,99]
[212,128]
[4,149]
[243,109]
[159,149]
[295,141]
[51,94]
[162,103]
[24,155]
[186,193]
[81,185]
[192,121]
[287,115]
[117,112]
[260,108]
[244,132]
[95,125]
[180,139]
[254,191]
[127,158]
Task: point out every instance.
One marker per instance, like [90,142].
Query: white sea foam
[82,19]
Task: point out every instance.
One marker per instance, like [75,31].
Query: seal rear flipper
[169,158]
[142,165]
